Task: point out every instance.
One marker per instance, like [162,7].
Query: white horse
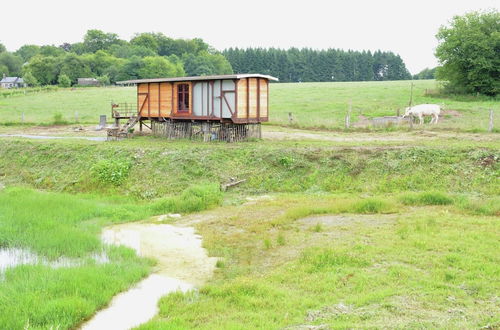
[422,110]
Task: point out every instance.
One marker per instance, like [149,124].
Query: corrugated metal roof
[229,76]
[12,80]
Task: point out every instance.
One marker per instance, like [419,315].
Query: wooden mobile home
[238,99]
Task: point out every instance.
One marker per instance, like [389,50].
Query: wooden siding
[242,98]
[264,97]
[142,99]
[165,99]
[249,104]
[154,100]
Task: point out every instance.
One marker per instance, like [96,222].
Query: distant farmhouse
[88,82]
[12,82]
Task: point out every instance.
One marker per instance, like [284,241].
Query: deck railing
[123,110]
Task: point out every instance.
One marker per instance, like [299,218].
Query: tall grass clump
[426,198]
[490,207]
[193,199]
[57,119]
[371,205]
[111,171]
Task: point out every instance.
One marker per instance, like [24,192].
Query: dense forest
[298,65]
[150,55]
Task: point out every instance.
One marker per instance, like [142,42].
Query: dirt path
[182,265]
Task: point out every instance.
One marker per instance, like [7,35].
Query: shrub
[57,119]
[64,81]
[111,171]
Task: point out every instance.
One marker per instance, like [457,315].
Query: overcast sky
[405,27]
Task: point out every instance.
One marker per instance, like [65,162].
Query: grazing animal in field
[423,110]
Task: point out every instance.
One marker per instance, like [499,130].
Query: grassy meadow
[313,105]
[344,262]
[366,232]
[60,225]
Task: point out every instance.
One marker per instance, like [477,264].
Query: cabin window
[183,97]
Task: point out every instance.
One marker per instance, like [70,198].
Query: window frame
[183,98]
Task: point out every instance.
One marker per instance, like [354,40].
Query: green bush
[58,119]
[64,81]
[111,171]
[193,199]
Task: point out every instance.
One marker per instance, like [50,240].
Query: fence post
[290,118]
[348,116]
[490,126]
[76,116]
[22,117]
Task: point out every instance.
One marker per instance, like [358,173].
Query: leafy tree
[12,62]
[64,81]
[100,61]
[468,52]
[95,40]
[78,48]
[205,64]
[51,51]
[131,69]
[4,70]
[128,51]
[43,68]
[66,46]
[103,80]
[30,79]
[425,74]
[26,52]
[74,67]
[2,48]
[158,67]
[146,40]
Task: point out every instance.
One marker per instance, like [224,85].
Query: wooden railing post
[490,126]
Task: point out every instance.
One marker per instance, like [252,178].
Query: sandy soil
[182,264]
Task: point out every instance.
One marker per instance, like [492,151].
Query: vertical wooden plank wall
[142,99]
[252,98]
[160,99]
[154,98]
[165,99]
[242,98]
[264,98]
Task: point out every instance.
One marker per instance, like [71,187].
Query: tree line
[152,55]
[109,59]
[300,65]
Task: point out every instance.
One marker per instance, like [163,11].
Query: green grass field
[379,229]
[313,105]
[409,238]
